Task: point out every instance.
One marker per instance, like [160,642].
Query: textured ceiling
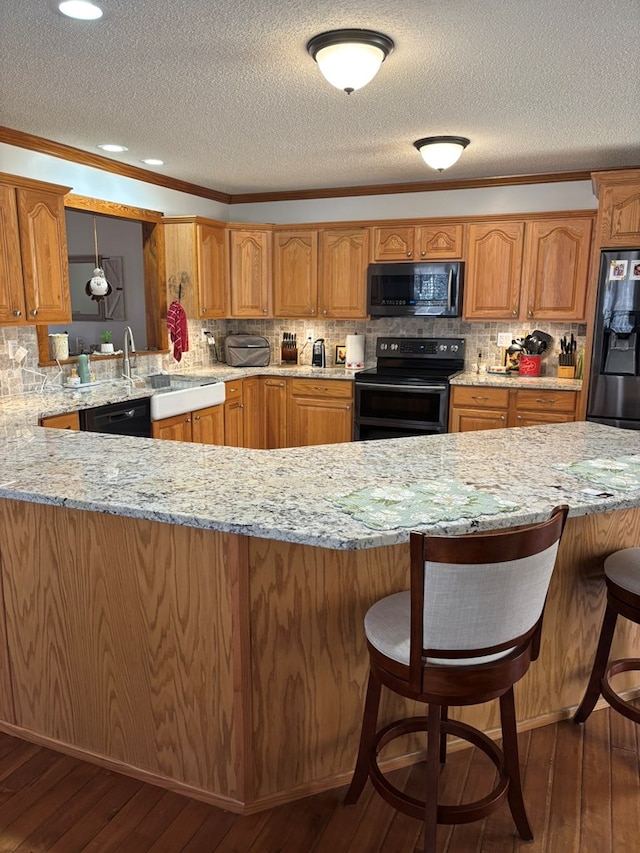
[227,95]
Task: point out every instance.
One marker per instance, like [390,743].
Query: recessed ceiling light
[151,161]
[82,10]
[114,149]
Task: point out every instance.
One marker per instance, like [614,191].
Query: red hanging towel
[177,328]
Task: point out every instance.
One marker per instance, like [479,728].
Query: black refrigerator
[614,384]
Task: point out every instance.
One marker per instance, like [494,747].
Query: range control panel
[425,348]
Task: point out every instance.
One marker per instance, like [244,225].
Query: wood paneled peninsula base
[231,667]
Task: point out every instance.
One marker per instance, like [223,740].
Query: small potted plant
[106,346]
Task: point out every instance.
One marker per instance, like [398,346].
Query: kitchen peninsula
[192,614]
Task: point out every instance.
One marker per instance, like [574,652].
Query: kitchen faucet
[129,346]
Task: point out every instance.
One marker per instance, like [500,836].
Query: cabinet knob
[529,313]
[17,313]
[188,421]
[197,418]
[264,310]
[518,417]
[514,313]
[409,254]
[324,310]
[313,310]
[33,312]
[203,310]
[423,254]
[502,417]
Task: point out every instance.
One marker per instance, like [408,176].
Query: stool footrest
[447,814]
[622,706]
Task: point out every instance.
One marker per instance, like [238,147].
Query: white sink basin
[169,403]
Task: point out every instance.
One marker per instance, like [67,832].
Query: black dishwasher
[130,417]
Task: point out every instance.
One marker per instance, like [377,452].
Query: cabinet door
[181,261]
[295,273]
[466,420]
[70,420]
[213,271]
[344,255]
[208,425]
[177,428]
[394,243]
[555,268]
[12,307]
[274,399]
[619,209]
[319,412]
[45,264]
[439,242]
[233,414]
[494,262]
[252,412]
[250,273]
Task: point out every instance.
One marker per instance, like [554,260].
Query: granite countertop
[514,380]
[497,478]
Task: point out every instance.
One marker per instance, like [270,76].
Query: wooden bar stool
[463,634]
[622,576]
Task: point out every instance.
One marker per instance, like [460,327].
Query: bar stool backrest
[480,593]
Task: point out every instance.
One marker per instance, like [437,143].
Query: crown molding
[85,158]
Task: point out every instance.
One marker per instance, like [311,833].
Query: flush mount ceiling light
[151,161]
[440,152]
[349,59]
[82,10]
[113,149]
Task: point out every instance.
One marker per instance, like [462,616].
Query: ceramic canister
[59,346]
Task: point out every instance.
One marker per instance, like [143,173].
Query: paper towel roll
[354,359]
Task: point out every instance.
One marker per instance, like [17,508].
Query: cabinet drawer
[322,388]
[233,390]
[479,397]
[546,401]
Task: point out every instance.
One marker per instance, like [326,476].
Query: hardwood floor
[581,786]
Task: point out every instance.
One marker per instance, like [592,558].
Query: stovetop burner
[411,360]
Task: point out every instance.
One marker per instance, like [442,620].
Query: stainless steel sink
[183,394]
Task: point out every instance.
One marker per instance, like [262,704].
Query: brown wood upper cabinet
[344,257]
[34,269]
[528,270]
[417,242]
[197,257]
[250,255]
[619,208]
[295,273]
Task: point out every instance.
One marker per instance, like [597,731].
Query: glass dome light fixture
[81,10]
[349,59]
[440,152]
[97,287]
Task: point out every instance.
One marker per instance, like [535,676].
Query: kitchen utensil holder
[529,365]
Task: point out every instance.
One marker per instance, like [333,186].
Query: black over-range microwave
[421,289]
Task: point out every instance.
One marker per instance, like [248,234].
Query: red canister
[529,365]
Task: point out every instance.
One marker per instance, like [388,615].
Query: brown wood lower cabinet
[320,412]
[476,407]
[204,426]
[274,404]
[70,420]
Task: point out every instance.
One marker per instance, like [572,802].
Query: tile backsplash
[481,337]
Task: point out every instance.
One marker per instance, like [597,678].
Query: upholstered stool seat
[622,577]
[464,634]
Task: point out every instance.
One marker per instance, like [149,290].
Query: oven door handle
[377,386]
[450,291]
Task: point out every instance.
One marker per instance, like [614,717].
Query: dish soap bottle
[83,368]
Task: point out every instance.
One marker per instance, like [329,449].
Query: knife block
[566,371]
[288,355]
